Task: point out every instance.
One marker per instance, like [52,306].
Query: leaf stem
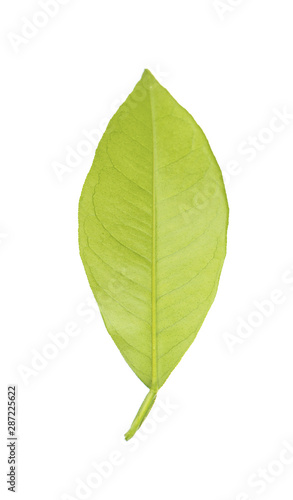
[142,413]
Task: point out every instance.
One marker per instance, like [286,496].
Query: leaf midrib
[154,383]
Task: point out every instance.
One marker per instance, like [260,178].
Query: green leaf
[153,219]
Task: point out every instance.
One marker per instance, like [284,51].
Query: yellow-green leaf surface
[153,219]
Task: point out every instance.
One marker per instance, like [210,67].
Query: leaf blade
[153,218]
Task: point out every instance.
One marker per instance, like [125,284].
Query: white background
[232,69]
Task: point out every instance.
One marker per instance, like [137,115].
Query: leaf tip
[147,72]
[148,78]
